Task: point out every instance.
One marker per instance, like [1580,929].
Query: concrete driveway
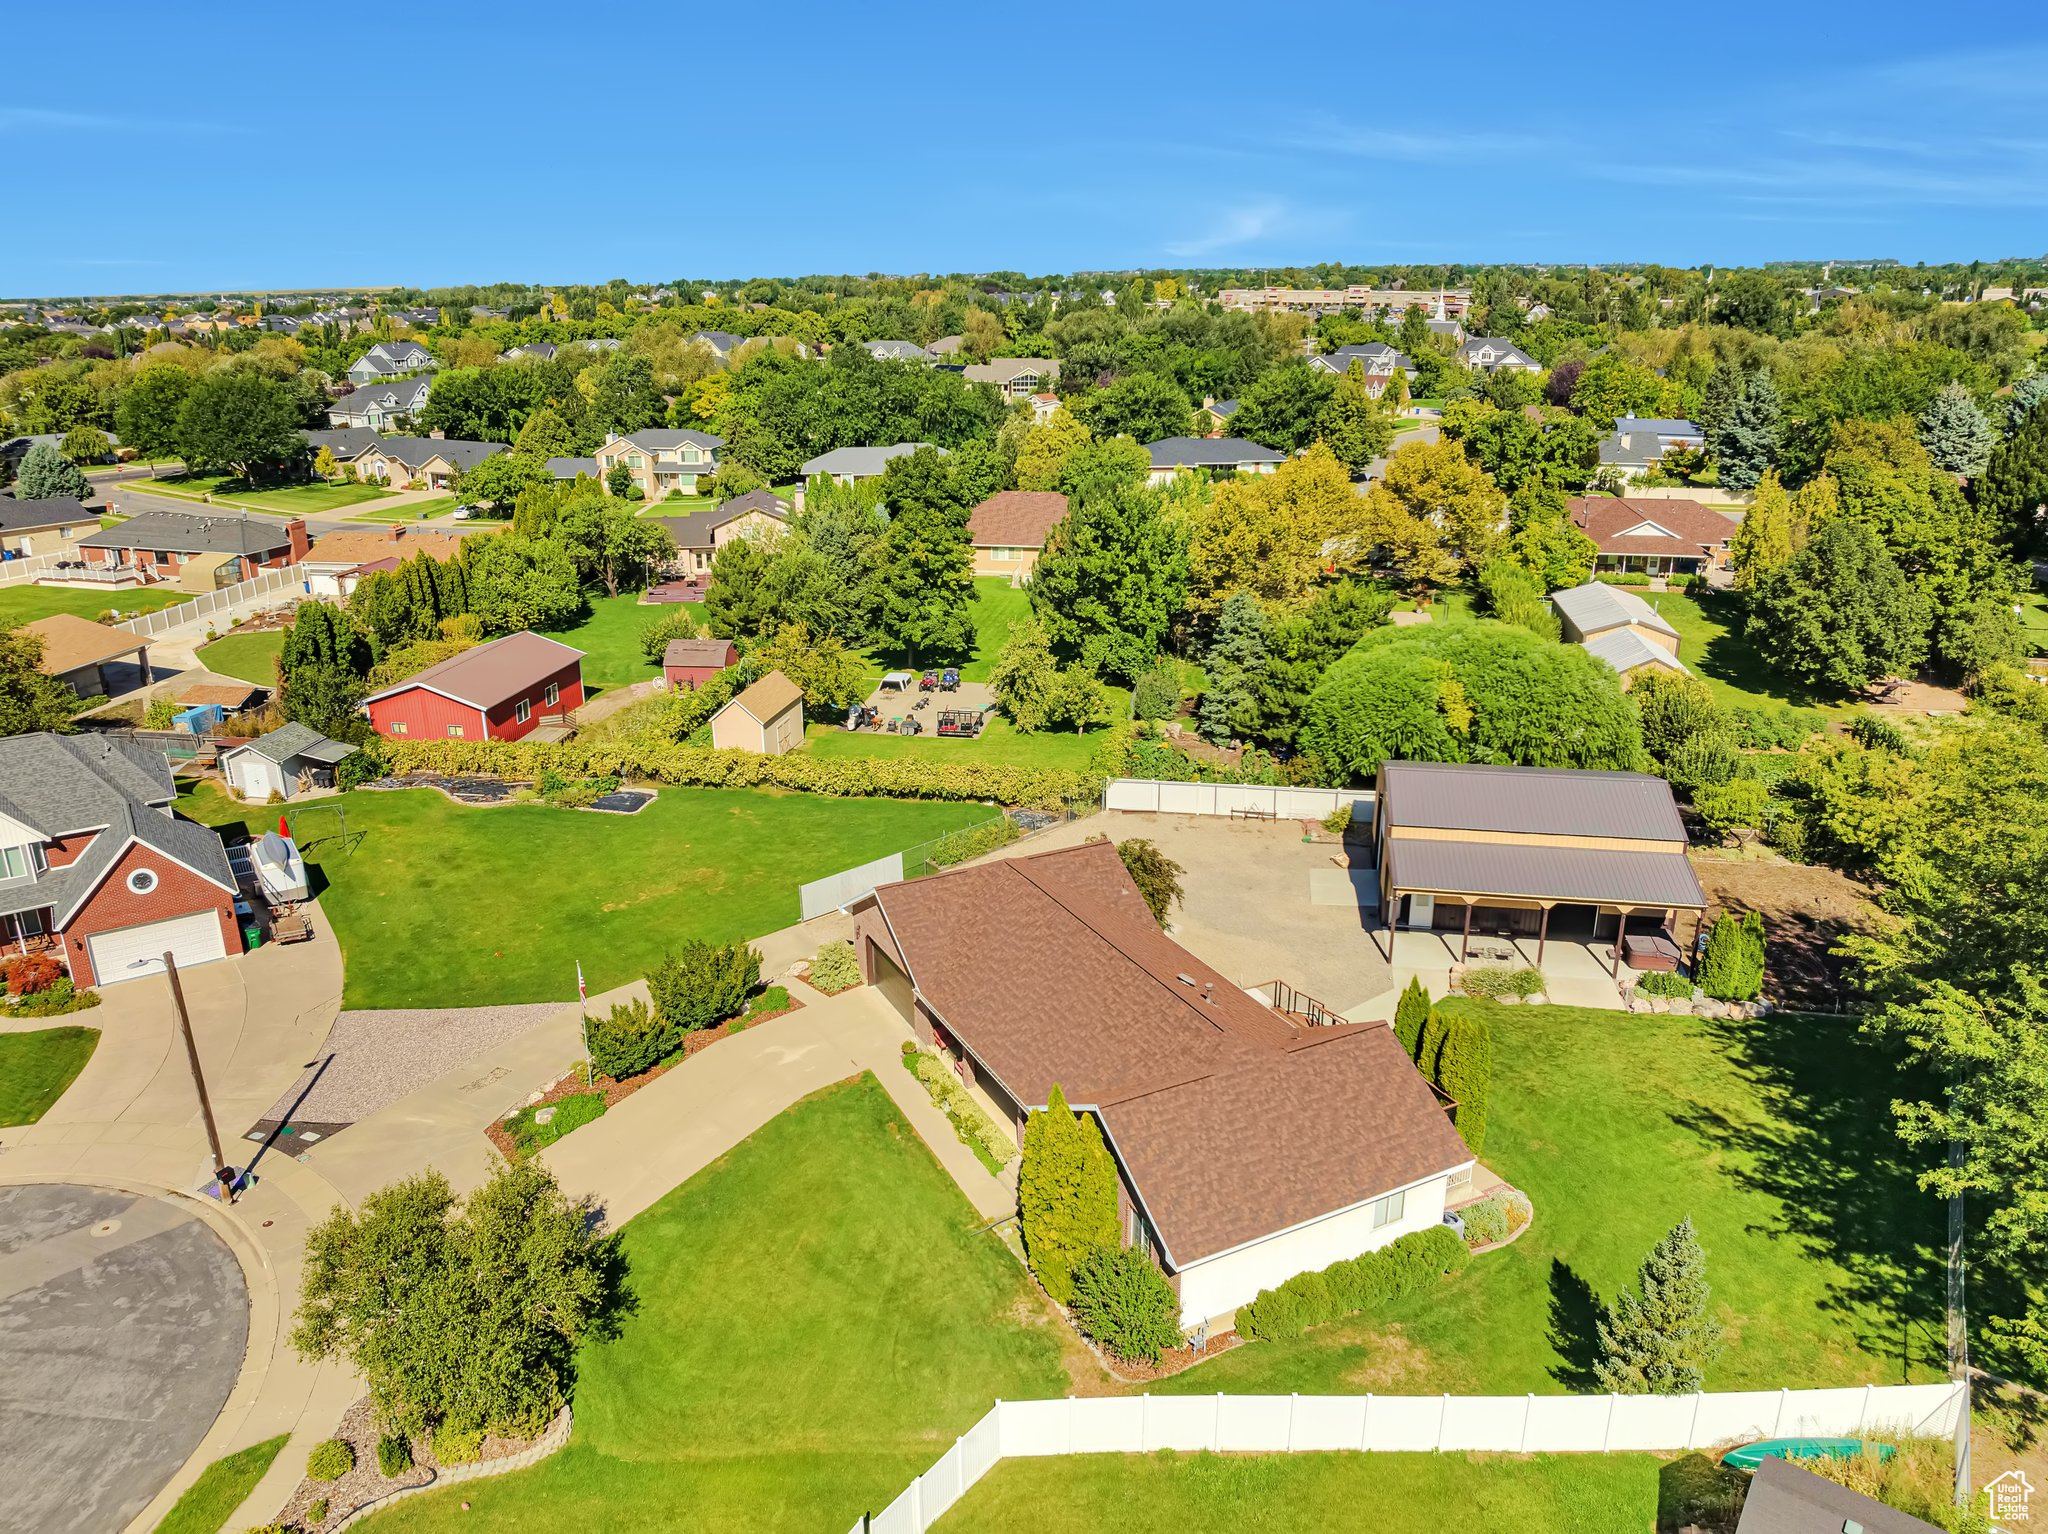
[123,1324]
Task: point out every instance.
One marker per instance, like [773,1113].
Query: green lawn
[998,743]
[1169,1493]
[446,905]
[221,1488]
[35,1068]
[25,604]
[997,604]
[818,1318]
[286,500]
[411,511]
[611,638]
[1712,643]
[2034,622]
[1775,1136]
[252,657]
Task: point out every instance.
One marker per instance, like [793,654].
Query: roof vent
[1185,979]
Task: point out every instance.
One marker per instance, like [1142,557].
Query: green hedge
[697,766]
[1405,1267]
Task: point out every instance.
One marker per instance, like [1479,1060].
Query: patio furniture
[1251,812]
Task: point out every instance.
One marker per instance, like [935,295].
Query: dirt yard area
[1806,912]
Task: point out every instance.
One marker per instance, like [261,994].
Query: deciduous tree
[926,590]
[1840,613]
[30,700]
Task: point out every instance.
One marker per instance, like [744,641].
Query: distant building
[1221,455]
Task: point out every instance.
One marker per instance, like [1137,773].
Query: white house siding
[256,776]
[1216,1286]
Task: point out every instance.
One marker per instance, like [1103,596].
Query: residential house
[690,663]
[201,553]
[97,870]
[1378,361]
[897,351]
[700,535]
[502,689]
[1784,1499]
[1250,1145]
[1537,313]
[337,561]
[379,405]
[723,343]
[1450,330]
[433,462]
[1638,444]
[391,359]
[767,718]
[14,449]
[1618,627]
[1216,455]
[1015,378]
[346,444]
[1490,354]
[1537,852]
[574,468]
[50,525]
[1653,535]
[1043,408]
[532,351]
[1009,529]
[661,460]
[1216,414]
[292,759]
[946,346]
[844,465]
[78,652]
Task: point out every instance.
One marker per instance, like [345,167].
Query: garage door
[129,953]
[891,981]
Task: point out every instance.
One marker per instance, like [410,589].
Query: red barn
[497,691]
[693,662]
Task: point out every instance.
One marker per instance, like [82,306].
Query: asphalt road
[123,1324]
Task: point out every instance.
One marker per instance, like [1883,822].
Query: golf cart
[949,679]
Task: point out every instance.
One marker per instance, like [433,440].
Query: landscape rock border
[556,1435]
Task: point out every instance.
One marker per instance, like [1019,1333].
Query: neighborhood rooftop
[186,532]
[491,672]
[1542,801]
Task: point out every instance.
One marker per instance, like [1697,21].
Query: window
[1387,1210]
[523,712]
[14,863]
[553,695]
[398,727]
[142,881]
[455,732]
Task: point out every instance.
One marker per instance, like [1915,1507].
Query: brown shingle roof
[1695,530]
[1232,1122]
[358,548]
[487,674]
[226,694]
[698,652]
[1016,519]
[70,642]
[769,696]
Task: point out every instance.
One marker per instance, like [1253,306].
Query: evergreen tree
[45,472]
[735,606]
[1661,1341]
[1236,663]
[1717,401]
[1747,442]
[1732,968]
[1355,426]
[1304,646]
[1066,1194]
[1955,432]
[2014,486]
[2026,394]
[1464,1073]
[1411,1013]
[1768,536]
[927,584]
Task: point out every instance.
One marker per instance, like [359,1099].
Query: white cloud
[1234,226]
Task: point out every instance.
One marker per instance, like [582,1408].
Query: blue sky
[566,144]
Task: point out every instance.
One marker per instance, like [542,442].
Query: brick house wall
[178,892]
[65,850]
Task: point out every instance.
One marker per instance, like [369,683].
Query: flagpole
[583,1008]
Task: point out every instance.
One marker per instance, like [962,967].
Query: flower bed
[977,1131]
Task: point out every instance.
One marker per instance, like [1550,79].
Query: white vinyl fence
[848,885]
[1412,1424]
[218,603]
[27,567]
[1226,798]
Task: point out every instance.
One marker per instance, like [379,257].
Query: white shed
[282,762]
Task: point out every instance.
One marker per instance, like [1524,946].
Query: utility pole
[223,1174]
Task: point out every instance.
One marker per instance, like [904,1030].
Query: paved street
[123,1323]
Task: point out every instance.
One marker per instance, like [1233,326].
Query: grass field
[2034,622]
[611,638]
[998,743]
[1712,643]
[252,657]
[221,1488]
[411,511]
[25,604]
[1169,1493]
[445,905]
[997,605]
[286,500]
[1774,1135]
[818,1318]
[36,1067]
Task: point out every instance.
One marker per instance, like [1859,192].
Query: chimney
[438,435]
[295,531]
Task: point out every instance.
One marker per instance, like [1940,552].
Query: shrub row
[970,1122]
[1407,1266]
[696,766]
[1665,982]
[1500,981]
